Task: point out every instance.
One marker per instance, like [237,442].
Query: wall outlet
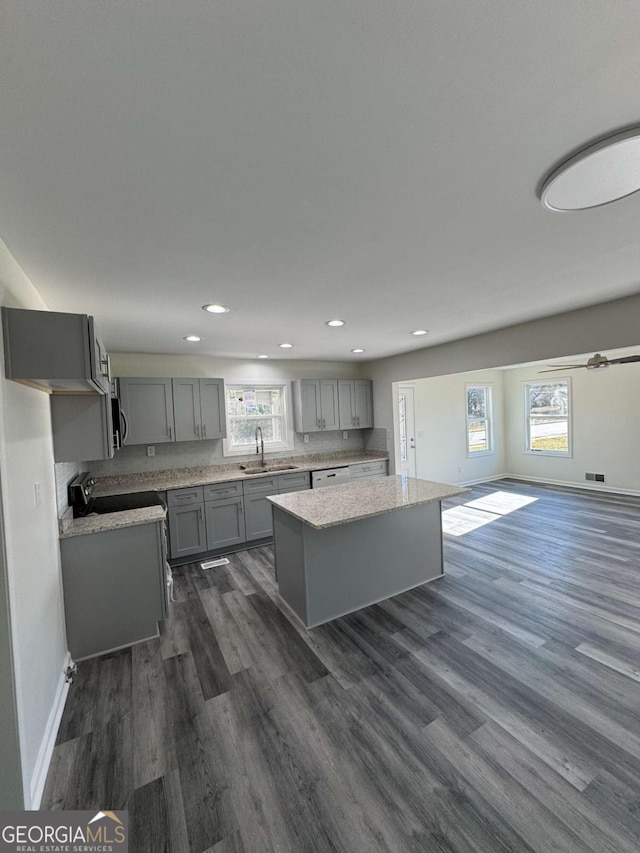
[37,494]
[345,434]
[420,433]
[305,438]
[151,451]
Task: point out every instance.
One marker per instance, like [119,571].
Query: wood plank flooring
[496,709]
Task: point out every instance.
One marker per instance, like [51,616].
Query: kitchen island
[343,548]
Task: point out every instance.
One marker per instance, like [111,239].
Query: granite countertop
[320,508]
[180,478]
[96,523]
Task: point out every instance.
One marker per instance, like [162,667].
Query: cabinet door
[212,404]
[186,409]
[329,403]
[347,403]
[225,523]
[82,427]
[308,407]
[187,532]
[258,516]
[363,403]
[148,406]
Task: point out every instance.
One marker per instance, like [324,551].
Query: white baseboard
[482,480]
[36,788]
[570,484]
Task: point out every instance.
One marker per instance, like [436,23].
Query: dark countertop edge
[231,476]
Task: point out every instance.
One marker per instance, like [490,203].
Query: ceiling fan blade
[566,367]
[627,359]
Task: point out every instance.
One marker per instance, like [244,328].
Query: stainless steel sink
[269,469]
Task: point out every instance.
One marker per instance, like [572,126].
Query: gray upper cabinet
[186,409]
[82,427]
[315,405]
[57,351]
[148,406]
[213,409]
[356,403]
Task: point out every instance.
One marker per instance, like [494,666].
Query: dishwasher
[329,477]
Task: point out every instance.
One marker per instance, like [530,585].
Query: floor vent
[212,564]
[595,478]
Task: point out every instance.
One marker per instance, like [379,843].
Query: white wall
[609,325]
[605,408]
[440,410]
[32,551]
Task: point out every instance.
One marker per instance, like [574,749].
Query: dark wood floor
[496,709]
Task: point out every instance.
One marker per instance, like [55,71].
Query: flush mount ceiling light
[335,323]
[193,339]
[603,172]
[357,349]
[419,332]
[262,355]
[285,346]
[216,309]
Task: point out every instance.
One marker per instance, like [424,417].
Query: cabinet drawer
[369,469]
[223,490]
[269,485]
[289,482]
[182,497]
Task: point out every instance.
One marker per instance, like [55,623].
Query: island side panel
[350,566]
[288,543]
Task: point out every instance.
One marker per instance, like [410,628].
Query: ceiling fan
[595,363]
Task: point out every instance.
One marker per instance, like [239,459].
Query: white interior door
[406,450]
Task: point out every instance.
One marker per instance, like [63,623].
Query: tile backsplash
[194,454]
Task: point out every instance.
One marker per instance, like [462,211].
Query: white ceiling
[373,160]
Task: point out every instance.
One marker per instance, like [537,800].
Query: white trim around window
[479,419]
[553,421]
[283,421]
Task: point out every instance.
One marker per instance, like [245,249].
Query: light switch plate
[305,438]
[151,451]
[345,434]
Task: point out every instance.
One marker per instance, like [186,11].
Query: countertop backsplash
[195,454]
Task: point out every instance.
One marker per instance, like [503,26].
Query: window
[547,413]
[479,420]
[252,405]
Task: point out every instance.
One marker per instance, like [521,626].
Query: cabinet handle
[358,421]
[324,424]
[197,431]
[204,430]
[170,434]
[353,421]
[201,514]
[319,422]
[241,507]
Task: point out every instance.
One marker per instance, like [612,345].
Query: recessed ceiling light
[335,323]
[262,355]
[357,349]
[192,339]
[603,172]
[285,346]
[420,332]
[215,309]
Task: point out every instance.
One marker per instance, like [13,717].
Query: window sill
[560,453]
[477,453]
[250,449]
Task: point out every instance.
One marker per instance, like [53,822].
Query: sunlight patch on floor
[470,516]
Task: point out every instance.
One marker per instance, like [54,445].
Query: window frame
[488,419]
[527,384]
[288,441]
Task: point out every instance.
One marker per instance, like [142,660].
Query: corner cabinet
[148,406]
[160,410]
[330,404]
[315,405]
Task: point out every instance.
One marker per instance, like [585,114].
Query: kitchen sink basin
[269,469]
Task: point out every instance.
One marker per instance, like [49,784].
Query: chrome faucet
[260,447]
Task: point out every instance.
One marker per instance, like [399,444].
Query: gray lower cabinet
[368,469]
[187,530]
[114,588]
[225,522]
[258,516]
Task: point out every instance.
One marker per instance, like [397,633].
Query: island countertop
[320,508]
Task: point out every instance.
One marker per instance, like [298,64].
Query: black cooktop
[119,503]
